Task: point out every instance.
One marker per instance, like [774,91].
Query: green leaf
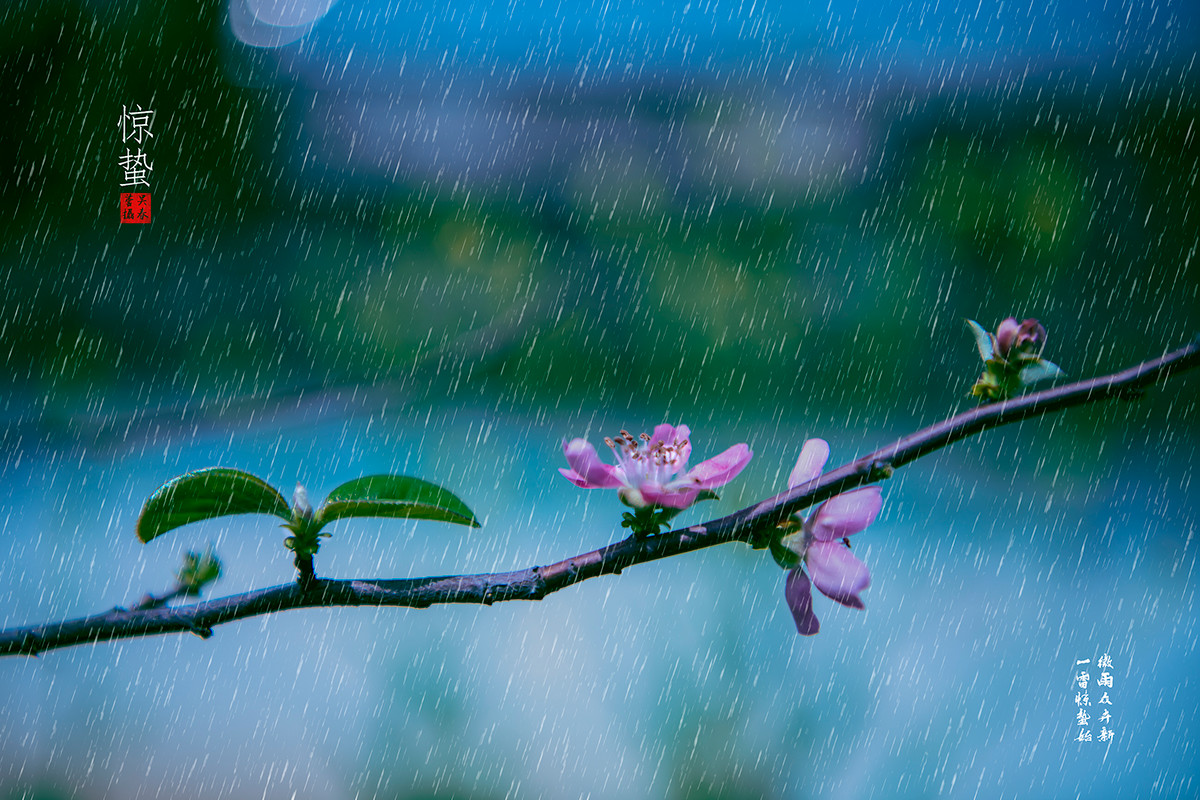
[1040,371]
[983,340]
[396,496]
[199,569]
[206,494]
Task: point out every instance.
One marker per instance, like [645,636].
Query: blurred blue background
[438,240]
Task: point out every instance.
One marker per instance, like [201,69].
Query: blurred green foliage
[1070,201]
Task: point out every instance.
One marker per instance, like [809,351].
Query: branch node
[881,470]
[306,575]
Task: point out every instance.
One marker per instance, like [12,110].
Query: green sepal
[394,496]
[648,520]
[207,494]
[1039,371]
[305,539]
[983,340]
[783,555]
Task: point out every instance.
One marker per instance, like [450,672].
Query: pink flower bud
[1031,338]
[1005,335]
[1024,338]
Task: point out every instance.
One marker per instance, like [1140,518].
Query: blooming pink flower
[647,473]
[822,543]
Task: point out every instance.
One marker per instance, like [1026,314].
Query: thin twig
[537,582]
[150,601]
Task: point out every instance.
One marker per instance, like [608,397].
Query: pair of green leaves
[220,491]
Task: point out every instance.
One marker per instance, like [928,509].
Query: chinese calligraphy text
[135,126]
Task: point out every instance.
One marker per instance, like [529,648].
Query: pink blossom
[647,474]
[822,543]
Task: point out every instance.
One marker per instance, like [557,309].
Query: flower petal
[664,433]
[846,514]
[838,573]
[799,602]
[716,471]
[1030,338]
[588,467]
[812,460]
[574,477]
[1006,336]
[669,435]
[658,495]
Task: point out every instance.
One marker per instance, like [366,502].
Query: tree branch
[535,583]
